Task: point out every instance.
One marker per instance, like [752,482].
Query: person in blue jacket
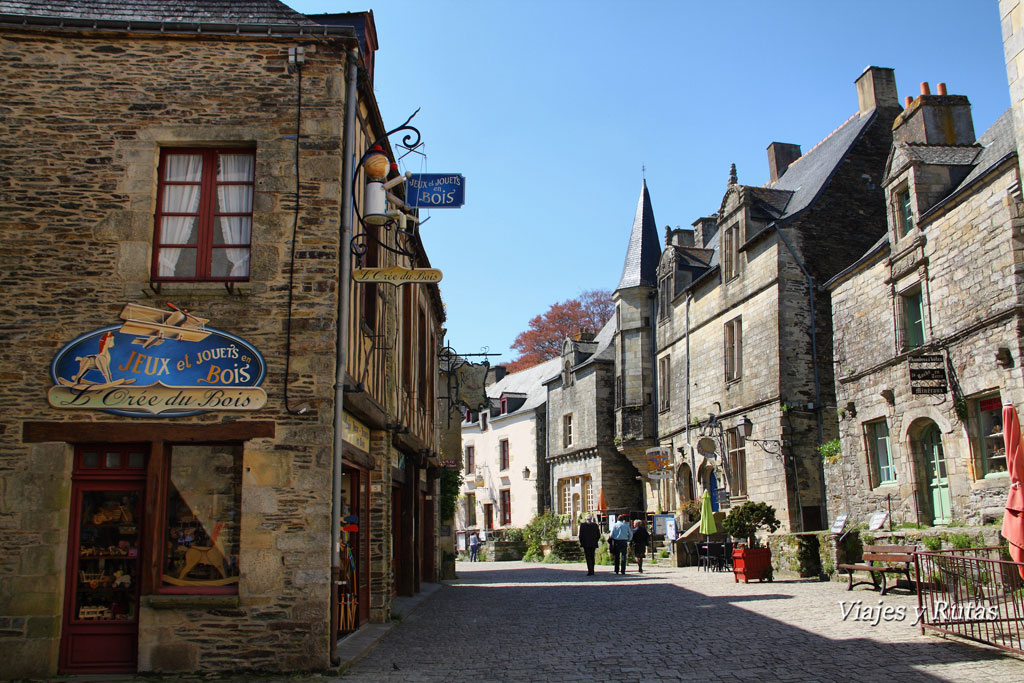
[618,543]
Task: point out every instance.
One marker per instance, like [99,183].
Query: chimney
[876,88]
[939,119]
[495,374]
[704,230]
[678,237]
[584,336]
[780,156]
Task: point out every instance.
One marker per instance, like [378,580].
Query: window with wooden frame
[664,383]
[567,430]
[730,252]
[504,405]
[423,370]
[733,349]
[371,259]
[470,460]
[204,205]
[506,507]
[665,299]
[503,454]
[991,447]
[882,468]
[470,509]
[904,211]
[736,450]
[910,318]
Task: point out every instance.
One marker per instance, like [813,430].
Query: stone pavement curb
[352,647]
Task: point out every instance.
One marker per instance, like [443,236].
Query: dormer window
[731,252]
[483,419]
[504,405]
[904,211]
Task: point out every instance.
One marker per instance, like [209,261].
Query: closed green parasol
[707,516]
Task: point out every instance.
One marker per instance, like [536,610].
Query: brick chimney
[876,89]
[780,156]
[704,230]
[935,119]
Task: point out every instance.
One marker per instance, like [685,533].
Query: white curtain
[179,199]
[236,199]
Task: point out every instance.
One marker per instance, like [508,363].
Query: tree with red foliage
[543,338]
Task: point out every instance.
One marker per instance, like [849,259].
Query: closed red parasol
[601,504]
[1013,520]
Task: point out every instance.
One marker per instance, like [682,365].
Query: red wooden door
[105,548]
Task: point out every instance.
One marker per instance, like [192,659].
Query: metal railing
[973,593]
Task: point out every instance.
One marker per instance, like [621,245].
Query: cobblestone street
[520,621]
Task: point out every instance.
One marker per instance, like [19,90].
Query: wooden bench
[891,559]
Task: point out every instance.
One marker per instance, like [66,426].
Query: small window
[504,405]
[883,471]
[506,507]
[470,460]
[484,414]
[665,299]
[736,448]
[204,212]
[905,212]
[733,350]
[503,453]
[730,253]
[664,383]
[912,318]
[991,447]
[470,509]
[567,430]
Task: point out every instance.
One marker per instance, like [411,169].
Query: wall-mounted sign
[158,363]
[397,275]
[435,191]
[877,520]
[706,446]
[659,461]
[450,464]
[355,432]
[927,374]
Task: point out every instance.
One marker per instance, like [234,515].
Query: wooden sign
[927,374]
[397,275]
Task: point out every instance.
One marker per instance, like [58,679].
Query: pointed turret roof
[644,251]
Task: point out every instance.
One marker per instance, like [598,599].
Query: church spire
[644,250]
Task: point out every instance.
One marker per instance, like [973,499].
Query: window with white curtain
[204,214]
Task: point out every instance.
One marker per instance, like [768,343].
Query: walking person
[590,536]
[641,537]
[619,543]
[474,546]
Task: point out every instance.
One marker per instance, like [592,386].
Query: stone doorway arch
[931,471]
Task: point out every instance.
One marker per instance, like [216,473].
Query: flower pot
[751,563]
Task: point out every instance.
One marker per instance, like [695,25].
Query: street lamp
[770,446]
[526,473]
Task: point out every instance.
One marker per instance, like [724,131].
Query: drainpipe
[653,297]
[689,445]
[347,173]
[817,382]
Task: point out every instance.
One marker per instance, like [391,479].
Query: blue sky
[551,110]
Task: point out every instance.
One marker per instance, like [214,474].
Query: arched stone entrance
[930,466]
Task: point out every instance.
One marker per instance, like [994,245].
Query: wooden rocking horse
[210,555]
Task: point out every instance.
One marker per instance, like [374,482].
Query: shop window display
[203,519]
[992,451]
[108,556]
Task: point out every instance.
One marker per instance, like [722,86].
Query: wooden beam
[135,432]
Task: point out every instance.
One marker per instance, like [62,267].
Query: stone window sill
[198,289]
[190,601]
[996,480]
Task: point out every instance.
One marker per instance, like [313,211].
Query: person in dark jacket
[590,536]
[641,538]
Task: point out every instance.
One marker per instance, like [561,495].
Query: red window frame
[206,215]
[503,451]
[506,507]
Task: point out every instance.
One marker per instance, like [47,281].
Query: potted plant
[752,561]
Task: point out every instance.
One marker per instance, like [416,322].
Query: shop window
[883,470]
[911,304]
[506,507]
[203,226]
[470,510]
[737,452]
[203,519]
[991,454]
[503,453]
[733,350]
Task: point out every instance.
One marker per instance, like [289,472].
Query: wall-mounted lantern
[526,473]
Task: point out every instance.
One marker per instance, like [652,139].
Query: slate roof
[807,176]
[996,142]
[644,250]
[528,382]
[266,12]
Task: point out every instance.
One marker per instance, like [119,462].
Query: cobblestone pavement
[528,622]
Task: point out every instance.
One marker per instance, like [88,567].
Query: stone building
[176,183]
[743,328]
[503,454]
[927,325]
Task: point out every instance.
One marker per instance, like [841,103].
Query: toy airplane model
[152,325]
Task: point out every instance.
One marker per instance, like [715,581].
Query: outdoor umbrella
[601,504]
[707,516]
[1013,520]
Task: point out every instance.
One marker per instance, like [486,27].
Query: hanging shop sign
[706,447]
[397,275]
[659,461]
[435,190]
[158,362]
[927,374]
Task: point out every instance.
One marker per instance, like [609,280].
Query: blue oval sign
[157,365]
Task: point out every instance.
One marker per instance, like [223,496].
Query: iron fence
[973,593]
